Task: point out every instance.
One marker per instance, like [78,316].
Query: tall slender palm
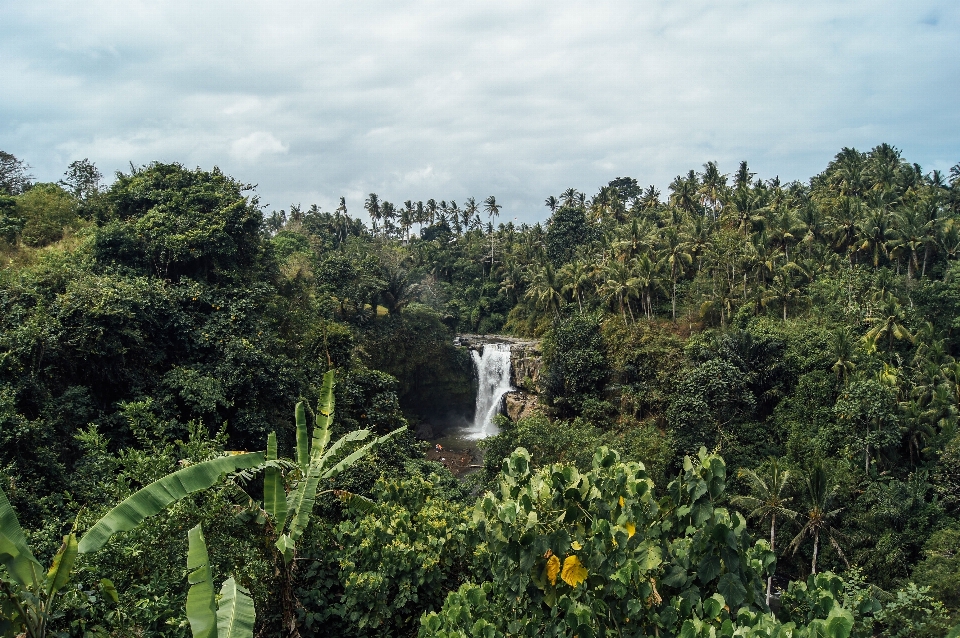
[492,208]
[644,279]
[910,236]
[875,233]
[683,192]
[372,206]
[616,287]
[676,255]
[577,279]
[713,189]
[783,290]
[818,516]
[767,500]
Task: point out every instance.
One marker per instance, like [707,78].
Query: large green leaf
[15,555]
[236,617]
[303,443]
[155,497]
[62,568]
[305,497]
[201,604]
[355,456]
[318,457]
[274,494]
[321,434]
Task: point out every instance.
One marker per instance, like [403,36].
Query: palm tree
[782,290]
[616,287]
[570,197]
[545,290]
[577,278]
[713,188]
[819,499]
[676,255]
[684,192]
[552,203]
[888,325]
[492,208]
[767,501]
[372,206]
[842,347]
[644,278]
[875,231]
[910,236]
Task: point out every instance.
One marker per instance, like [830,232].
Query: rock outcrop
[520,405]
[526,361]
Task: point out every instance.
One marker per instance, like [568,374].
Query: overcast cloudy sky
[422,99]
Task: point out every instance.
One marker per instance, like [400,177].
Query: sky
[316,100]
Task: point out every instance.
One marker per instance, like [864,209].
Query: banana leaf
[62,568]
[15,555]
[236,616]
[201,604]
[274,494]
[355,456]
[303,444]
[321,434]
[155,497]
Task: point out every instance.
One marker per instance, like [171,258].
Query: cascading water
[493,372]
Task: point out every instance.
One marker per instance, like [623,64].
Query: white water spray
[493,372]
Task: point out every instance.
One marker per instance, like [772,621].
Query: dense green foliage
[748,347]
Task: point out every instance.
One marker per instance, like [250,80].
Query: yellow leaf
[576,545]
[621,501]
[573,572]
[553,569]
[631,529]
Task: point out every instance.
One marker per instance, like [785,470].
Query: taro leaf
[732,589]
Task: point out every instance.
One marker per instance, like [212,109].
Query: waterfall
[493,373]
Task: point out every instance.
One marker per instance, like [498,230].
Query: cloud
[252,147]
[420,98]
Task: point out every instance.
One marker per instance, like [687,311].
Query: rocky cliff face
[526,361]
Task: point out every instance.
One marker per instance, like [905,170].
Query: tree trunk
[673,301]
[773,527]
[816,548]
[784,310]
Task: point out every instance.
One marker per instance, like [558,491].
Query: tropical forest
[725,409]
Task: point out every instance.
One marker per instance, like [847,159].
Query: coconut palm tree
[889,324]
[783,289]
[577,278]
[818,516]
[676,256]
[842,347]
[545,290]
[372,206]
[551,203]
[767,500]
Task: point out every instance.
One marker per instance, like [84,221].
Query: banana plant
[290,513]
[28,591]
[234,617]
